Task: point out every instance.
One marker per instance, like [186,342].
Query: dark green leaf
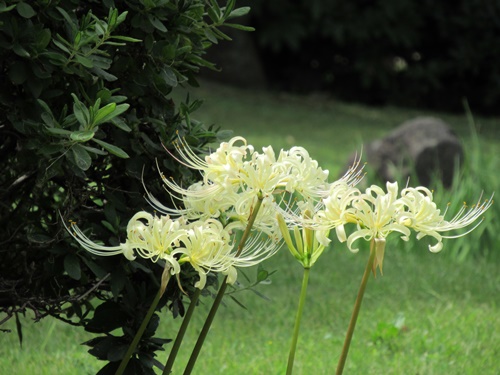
[107,317]
[95,268]
[40,71]
[108,226]
[81,112]
[85,61]
[104,114]
[68,19]
[169,77]
[25,10]
[262,275]
[112,149]
[116,352]
[126,38]
[5,8]
[101,348]
[103,74]
[243,11]
[224,135]
[229,8]
[55,58]
[81,157]
[94,150]
[121,17]
[82,135]
[117,281]
[35,86]
[214,15]
[60,45]
[210,36]
[220,35]
[58,131]
[20,51]
[101,61]
[157,24]
[72,266]
[43,39]
[112,17]
[239,27]
[120,124]
[108,114]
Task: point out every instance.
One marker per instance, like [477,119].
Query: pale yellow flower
[148,236]
[422,215]
[305,176]
[376,213]
[337,210]
[207,247]
[219,166]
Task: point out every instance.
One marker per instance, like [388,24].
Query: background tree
[422,54]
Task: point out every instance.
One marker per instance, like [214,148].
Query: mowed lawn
[428,314]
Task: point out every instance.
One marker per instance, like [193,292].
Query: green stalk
[355,311]
[138,335]
[220,293]
[296,329]
[180,335]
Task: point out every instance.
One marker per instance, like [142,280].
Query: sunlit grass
[449,312]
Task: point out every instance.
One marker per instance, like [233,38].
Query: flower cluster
[267,195]
[376,213]
[236,184]
[235,175]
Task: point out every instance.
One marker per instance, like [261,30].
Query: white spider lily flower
[153,237]
[376,213]
[423,216]
[265,221]
[150,237]
[219,166]
[333,210]
[262,174]
[337,210]
[305,176]
[207,247]
[238,169]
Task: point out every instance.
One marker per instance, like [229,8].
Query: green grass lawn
[428,314]
[450,310]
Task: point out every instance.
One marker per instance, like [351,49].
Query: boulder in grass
[426,144]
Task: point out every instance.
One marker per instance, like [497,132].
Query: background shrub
[85,111]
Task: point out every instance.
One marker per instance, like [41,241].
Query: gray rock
[426,144]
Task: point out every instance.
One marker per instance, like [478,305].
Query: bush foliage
[85,114]
[401,52]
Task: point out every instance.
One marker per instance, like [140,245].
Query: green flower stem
[205,329]
[220,293]
[180,335]
[138,335]
[355,311]
[295,337]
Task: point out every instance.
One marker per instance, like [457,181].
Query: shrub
[85,113]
